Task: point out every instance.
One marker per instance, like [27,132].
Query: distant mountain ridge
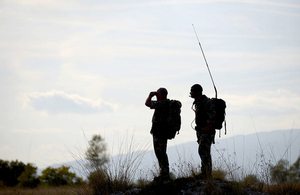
[245,151]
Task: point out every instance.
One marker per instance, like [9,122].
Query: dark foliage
[29,178]
[10,171]
[58,176]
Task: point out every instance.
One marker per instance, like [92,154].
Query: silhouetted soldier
[205,118]
[158,128]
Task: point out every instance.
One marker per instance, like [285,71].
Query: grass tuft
[285,188]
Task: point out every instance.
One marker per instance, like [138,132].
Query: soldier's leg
[160,149]
[204,151]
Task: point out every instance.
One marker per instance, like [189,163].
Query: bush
[219,174]
[56,177]
[10,171]
[285,188]
[116,174]
[29,178]
[251,181]
[282,172]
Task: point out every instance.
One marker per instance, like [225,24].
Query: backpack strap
[225,126]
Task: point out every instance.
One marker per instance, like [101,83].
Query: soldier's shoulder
[160,104]
[207,101]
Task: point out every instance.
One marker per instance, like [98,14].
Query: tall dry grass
[120,172]
[62,190]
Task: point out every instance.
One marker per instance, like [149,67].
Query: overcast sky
[71,69]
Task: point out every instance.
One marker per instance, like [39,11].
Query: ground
[190,186]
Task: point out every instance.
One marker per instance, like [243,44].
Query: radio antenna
[206,62]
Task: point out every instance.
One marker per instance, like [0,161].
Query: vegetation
[111,175]
[282,172]
[10,172]
[16,173]
[29,178]
[59,176]
[96,153]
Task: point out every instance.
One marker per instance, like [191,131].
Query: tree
[29,177]
[252,181]
[4,171]
[282,172]
[96,153]
[279,172]
[295,171]
[10,171]
[59,176]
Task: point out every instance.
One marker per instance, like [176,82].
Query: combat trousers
[204,150]
[160,149]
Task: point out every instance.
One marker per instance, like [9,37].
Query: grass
[112,182]
[120,173]
[62,190]
[285,188]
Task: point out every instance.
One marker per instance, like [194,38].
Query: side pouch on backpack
[174,119]
[220,106]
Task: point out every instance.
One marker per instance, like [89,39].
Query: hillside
[245,152]
[242,153]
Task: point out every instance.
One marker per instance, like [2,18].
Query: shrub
[58,176]
[118,173]
[285,188]
[219,174]
[10,171]
[251,181]
[29,178]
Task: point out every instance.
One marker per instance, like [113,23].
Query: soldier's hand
[153,93]
[207,128]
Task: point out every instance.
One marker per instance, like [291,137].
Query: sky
[73,69]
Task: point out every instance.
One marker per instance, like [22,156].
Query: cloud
[7,151]
[58,102]
[270,103]
[47,130]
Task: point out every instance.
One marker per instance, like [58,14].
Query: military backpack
[173,119]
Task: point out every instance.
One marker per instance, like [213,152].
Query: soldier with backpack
[159,127]
[205,118]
